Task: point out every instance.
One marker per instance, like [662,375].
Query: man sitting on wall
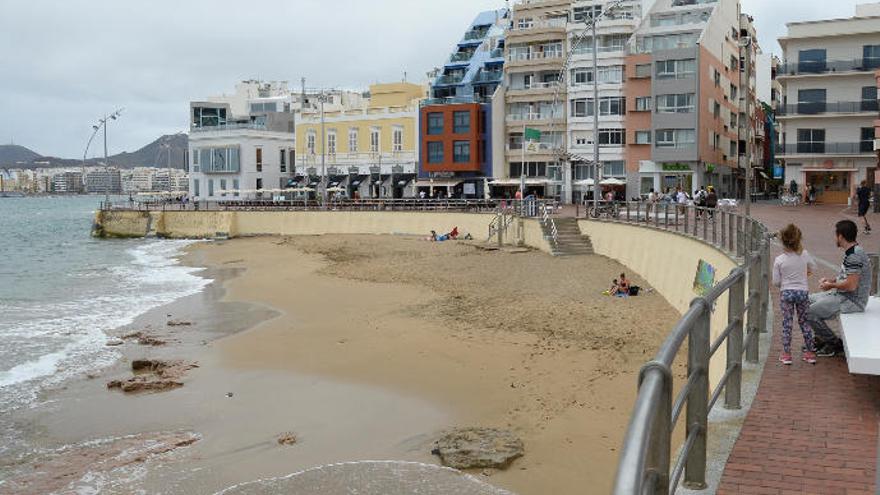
[847,294]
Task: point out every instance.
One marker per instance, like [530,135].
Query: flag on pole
[532,138]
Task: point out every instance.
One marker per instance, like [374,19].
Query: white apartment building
[613,33]
[830,102]
[243,143]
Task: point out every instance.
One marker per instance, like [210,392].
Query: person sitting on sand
[623,286]
[613,290]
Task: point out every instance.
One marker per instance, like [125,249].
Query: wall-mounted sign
[778,171]
[676,167]
[705,278]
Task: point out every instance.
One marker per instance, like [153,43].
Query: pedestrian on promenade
[790,272]
[711,201]
[847,294]
[863,198]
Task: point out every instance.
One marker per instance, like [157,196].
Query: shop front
[668,176]
[833,186]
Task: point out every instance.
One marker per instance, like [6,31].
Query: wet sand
[367,347]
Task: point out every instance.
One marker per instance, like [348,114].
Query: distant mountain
[167,151]
[10,154]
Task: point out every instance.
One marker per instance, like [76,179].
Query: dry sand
[366,348]
[523,341]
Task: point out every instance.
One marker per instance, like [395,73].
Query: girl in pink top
[790,272]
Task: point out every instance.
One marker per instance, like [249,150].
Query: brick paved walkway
[811,429]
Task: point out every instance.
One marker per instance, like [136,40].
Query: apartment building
[613,33]
[457,128]
[535,52]
[688,93]
[67,182]
[103,180]
[830,102]
[241,143]
[370,143]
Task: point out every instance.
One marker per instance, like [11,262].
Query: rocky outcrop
[469,448]
[153,375]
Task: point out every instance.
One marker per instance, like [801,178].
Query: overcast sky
[64,63]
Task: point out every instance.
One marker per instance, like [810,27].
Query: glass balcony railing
[829,66]
[818,108]
[822,148]
[497,53]
[487,77]
[475,35]
[229,127]
[449,79]
[461,57]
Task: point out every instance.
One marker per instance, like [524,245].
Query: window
[811,141]
[643,137]
[530,170]
[811,60]
[397,140]
[282,160]
[734,91]
[643,104]
[676,103]
[866,144]
[331,143]
[461,152]
[675,138]
[435,152]
[235,186]
[310,142]
[374,140]
[263,107]
[461,122]
[210,188]
[871,56]
[525,23]
[614,168]
[223,187]
[196,191]
[611,105]
[208,117]
[811,101]
[581,14]
[352,140]
[676,69]
[717,77]
[292,161]
[219,160]
[435,123]
[643,70]
[611,137]
[607,75]
[259,184]
[195,161]
[259,159]
[869,99]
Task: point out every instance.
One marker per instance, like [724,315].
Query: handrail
[646,464]
[550,225]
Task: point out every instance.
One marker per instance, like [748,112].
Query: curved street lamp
[102,124]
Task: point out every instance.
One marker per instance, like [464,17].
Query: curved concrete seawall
[213,224]
[668,261]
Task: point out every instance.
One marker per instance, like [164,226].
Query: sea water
[62,292]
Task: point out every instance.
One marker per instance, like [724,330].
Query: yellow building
[370,146]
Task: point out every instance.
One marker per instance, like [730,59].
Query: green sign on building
[676,167]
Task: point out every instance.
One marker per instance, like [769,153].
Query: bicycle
[790,200]
[611,210]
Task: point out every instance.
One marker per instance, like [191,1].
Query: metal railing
[522,208]
[823,148]
[646,464]
[829,66]
[549,226]
[449,79]
[821,107]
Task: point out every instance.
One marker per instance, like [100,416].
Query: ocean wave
[75,331]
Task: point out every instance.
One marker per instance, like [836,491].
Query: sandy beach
[367,347]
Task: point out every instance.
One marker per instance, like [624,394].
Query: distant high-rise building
[103,180]
[67,183]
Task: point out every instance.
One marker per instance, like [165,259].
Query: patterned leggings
[791,301]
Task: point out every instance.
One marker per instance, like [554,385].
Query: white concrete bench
[861,338]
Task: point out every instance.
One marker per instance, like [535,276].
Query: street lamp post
[597,167]
[102,124]
[322,98]
[746,43]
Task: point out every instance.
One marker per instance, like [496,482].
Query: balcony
[475,35]
[828,67]
[229,127]
[497,53]
[487,77]
[819,148]
[531,117]
[449,80]
[535,86]
[821,108]
[461,57]
[519,57]
[540,25]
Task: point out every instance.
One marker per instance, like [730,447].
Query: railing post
[666,215]
[660,446]
[735,313]
[755,279]
[687,222]
[698,398]
[740,237]
[723,229]
[731,232]
[714,229]
[706,224]
[764,248]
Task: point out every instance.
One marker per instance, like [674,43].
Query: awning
[516,182]
[612,181]
[584,182]
[438,182]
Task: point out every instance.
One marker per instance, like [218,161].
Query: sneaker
[826,351]
[810,357]
[785,358]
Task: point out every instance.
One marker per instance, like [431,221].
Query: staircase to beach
[569,241]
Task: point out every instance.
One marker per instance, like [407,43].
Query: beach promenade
[811,429]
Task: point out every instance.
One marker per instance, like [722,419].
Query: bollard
[698,398]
